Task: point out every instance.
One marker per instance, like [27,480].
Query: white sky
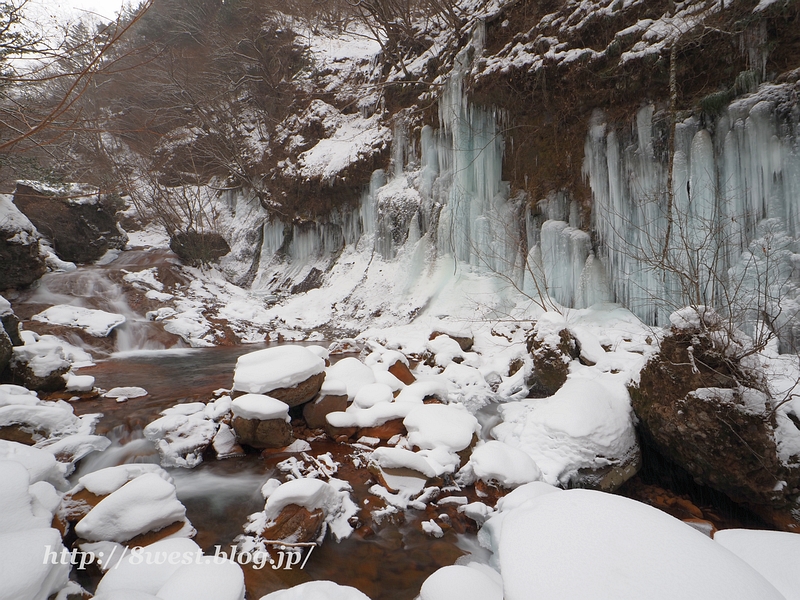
[105,8]
[60,9]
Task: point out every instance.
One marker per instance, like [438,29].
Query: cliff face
[512,152]
[573,152]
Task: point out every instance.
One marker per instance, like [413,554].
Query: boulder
[402,372]
[464,341]
[11,324]
[291,374]
[610,477]
[700,407]
[196,248]
[296,524]
[552,352]
[72,218]
[130,504]
[6,349]
[271,433]
[42,371]
[261,421]
[385,431]
[300,393]
[20,255]
[315,412]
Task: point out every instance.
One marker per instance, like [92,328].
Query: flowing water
[389,563]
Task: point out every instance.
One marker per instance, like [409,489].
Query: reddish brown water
[390,564]
[387,562]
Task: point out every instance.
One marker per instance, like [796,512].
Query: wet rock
[196,248]
[611,477]
[315,412]
[39,370]
[20,254]
[340,434]
[9,323]
[6,349]
[296,524]
[552,352]
[384,432]
[402,372]
[272,433]
[17,433]
[261,421]
[301,393]
[79,227]
[696,407]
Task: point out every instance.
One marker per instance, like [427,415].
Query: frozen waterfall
[728,236]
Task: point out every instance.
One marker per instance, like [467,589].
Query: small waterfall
[92,287]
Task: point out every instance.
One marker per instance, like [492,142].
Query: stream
[389,562]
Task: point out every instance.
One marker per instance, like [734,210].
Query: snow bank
[584,425]
[26,576]
[353,373]
[317,590]
[496,462]
[774,554]
[458,582]
[98,323]
[272,368]
[448,426]
[607,546]
[695,318]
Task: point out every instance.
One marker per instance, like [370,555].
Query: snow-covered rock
[458,582]
[260,407]
[291,374]
[353,373]
[774,554]
[584,426]
[146,503]
[501,464]
[261,421]
[95,322]
[41,465]
[317,590]
[332,498]
[624,549]
[27,572]
[448,426]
